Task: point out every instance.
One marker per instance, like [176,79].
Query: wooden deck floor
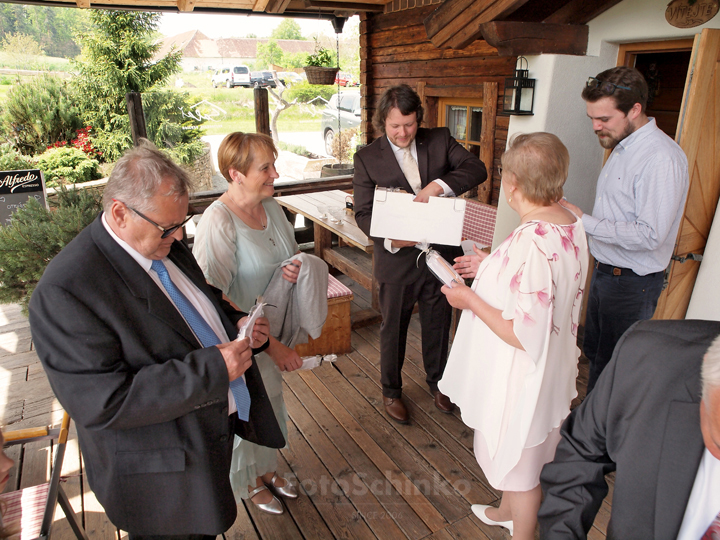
[362,476]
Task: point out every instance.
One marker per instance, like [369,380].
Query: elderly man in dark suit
[428,163]
[656,421]
[138,350]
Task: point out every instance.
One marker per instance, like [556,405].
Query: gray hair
[711,370]
[139,175]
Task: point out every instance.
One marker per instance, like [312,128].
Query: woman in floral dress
[513,364]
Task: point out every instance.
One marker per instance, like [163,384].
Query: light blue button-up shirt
[639,202]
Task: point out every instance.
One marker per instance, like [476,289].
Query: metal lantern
[519,91]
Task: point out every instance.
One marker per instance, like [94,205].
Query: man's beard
[610,142]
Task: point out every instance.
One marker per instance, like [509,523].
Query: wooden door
[699,137]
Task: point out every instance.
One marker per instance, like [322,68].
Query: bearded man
[639,203]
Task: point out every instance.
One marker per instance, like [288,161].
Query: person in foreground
[639,203]
[241,240]
[137,348]
[428,163]
[513,363]
[654,417]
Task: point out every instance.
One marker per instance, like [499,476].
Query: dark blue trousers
[615,303]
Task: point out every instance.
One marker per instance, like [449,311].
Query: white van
[231,76]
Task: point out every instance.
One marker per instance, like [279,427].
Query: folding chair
[33,508]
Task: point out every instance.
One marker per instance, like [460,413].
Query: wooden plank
[456,68]
[430,440]
[352,262]
[185,5]
[306,516]
[472,527]
[434,503]
[326,494]
[262,111]
[465,26]
[524,38]
[376,501]
[580,11]
[36,464]
[487,138]
[400,19]
[243,528]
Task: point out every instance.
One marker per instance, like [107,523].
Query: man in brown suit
[429,163]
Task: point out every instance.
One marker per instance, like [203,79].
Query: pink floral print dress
[515,399]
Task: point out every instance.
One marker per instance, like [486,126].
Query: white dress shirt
[704,503]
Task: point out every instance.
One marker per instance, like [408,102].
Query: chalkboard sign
[16,187]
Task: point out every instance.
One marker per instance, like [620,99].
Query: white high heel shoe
[479,511]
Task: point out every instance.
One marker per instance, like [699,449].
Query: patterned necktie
[204,333]
[411,170]
[713,532]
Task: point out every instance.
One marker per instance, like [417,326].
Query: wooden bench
[335,336]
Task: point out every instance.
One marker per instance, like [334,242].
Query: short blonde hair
[237,151]
[539,161]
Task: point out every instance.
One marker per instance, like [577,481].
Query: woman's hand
[467,265]
[285,358]
[291,271]
[459,296]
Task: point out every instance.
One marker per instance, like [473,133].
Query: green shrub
[294,148]
[39,113]
[12,160]
[5,80]
[67,165]
[306,92]
[36,235]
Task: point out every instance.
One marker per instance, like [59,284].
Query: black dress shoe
[396,410]
[443,403]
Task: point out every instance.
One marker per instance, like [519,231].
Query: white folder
[395,215]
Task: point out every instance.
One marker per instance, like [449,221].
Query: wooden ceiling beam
[83,3]
[526,38]
[580,11]
[186,5]
[456,23]
[346,6]
[260,5]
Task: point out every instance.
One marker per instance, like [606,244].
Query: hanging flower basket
[321,75]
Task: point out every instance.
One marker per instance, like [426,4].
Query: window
[464,120]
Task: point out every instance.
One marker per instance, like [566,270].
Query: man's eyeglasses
[605,86]
[165,232]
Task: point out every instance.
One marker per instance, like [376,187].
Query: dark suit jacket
[643,420]
[439,156]
[150,404]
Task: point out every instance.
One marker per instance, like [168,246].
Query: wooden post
[262,111]
[137,118]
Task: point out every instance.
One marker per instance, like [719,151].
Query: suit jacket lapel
[423,158]
[139,283]
[680,455]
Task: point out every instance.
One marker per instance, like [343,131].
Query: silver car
[349,110]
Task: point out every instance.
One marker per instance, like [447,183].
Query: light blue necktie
[205,334]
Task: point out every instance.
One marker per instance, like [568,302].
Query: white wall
[559,109]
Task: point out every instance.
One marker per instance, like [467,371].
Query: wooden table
[353,256]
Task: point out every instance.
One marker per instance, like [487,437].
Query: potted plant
[342,145]
[319,68]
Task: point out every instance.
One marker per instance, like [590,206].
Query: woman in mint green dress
[240,241]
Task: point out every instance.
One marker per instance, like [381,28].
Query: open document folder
[395,215]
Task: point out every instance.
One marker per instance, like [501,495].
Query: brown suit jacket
[439,156]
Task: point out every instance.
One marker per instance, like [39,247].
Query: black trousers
[132,536]
[615,303]
[396,305]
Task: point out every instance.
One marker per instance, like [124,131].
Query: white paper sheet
[395,215]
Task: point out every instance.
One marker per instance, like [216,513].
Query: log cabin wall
[394,49]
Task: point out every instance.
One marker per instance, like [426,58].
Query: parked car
[288,78]
[349,111]
[260,79]
[345,79]
[232,76]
